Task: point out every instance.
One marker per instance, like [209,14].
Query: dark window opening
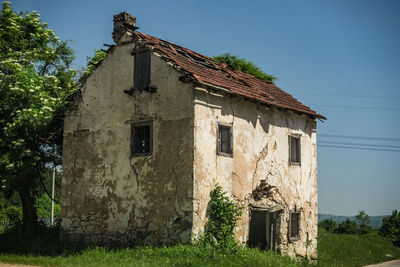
[294,225]
[224,140]
[294,150]
[141,134]
[142,71]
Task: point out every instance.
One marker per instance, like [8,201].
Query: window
[294,225]
[294,150]
[224,146]
[142,71]
[141,138]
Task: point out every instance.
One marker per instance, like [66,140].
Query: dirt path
[2,264]
[384,264]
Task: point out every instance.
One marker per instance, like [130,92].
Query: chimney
[122,23]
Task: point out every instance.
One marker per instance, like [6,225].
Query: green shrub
[391,227]
[223,216]
[243,65]
[329,225]
[10,217]
[348,227]
[43,207]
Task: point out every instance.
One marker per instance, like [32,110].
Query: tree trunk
[29,215]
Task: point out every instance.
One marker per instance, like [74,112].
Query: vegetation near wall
[223,216]
[236,63]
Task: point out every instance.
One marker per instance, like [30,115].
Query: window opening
[142,71]
[224,140]
[294,225]
[141,134]
[294,150]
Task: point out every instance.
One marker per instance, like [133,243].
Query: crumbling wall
[109,196]
[258,173]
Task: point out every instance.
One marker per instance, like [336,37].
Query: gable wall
[109,196]
[260,152]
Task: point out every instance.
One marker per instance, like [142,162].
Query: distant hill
[376,221]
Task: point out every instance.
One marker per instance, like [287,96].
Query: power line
[357,144]
[361,148]
[355,107]
[359,137]
[338,95]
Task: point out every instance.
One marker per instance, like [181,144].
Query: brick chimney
[122,23]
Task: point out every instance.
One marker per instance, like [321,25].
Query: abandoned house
[156,126]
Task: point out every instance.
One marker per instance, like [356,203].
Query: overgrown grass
[45,249]
[354,250]
[180,255]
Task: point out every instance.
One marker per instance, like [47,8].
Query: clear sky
[342,58]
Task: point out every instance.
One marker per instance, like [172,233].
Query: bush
[391,227]
[329,225]
[43,207]
[223,217]
[10,217]
[348,227]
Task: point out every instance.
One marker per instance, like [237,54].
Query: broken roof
[205,70]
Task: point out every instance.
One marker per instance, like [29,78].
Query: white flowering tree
[35,83]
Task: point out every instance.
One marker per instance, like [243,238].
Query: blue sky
[341,58]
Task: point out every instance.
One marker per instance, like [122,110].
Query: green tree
[236,63]
[329,225]
[391,227]
[35,83]
[362,218]
[363,221]
[348,227]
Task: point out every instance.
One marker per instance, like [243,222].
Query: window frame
[219,152]
[138,71]
[297,237]
[140,124]
[298,150]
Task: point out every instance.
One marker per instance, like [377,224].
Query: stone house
[156,126]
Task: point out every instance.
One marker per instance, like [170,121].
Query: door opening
[263,229]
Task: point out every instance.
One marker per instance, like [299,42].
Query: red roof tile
[205,70]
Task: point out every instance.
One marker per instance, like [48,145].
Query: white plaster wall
[109,196]
[260,152]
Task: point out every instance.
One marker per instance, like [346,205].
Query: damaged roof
[205,70]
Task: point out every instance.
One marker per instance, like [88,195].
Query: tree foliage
[329,225]
[348,227]
[35,83]
[391,227]
[92,63]
[363,221]
[223,216]
[236,63]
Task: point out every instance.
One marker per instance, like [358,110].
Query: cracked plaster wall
[109,196]
[260,158]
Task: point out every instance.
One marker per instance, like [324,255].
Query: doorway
[263,230]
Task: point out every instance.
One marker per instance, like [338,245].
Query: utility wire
[358,137]
[334,95]
[355,107]
[357,144]
[361,148]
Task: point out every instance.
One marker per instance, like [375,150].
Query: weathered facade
[153,130]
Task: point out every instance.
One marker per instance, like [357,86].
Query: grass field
[334,250]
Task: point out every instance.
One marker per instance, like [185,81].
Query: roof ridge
[205,70]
